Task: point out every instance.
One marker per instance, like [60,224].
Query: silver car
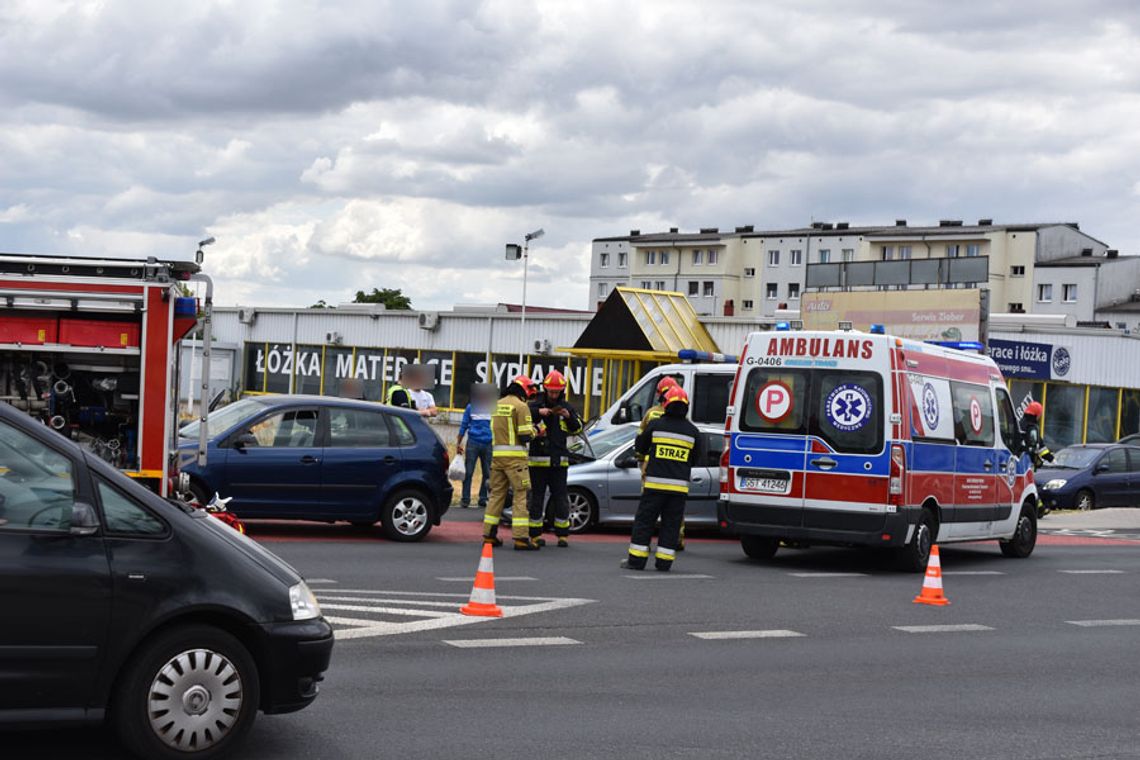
[604,483]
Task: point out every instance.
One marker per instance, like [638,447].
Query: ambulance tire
[759,547]
[914,556]
[1025,537]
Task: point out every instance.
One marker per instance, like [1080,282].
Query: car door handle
[389,459]
[825,463]
[309,459]
[988,466]
[697,480]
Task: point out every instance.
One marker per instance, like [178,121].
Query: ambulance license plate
[765,485]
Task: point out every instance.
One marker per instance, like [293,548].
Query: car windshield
[1076,458]
[604,442]
[226,417]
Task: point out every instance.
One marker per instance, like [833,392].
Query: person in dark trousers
[1034,444]
[555,420]
[476,425]
[651,414]
[672,446]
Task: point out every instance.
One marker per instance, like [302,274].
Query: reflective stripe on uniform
[491,519]
[667,484]
[508,451]
[539,461]
[520,522]
[663,553]
[678,439]
[527,429]
[637,550]
[536,523]
[561,523]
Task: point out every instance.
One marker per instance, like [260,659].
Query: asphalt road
[1046,666]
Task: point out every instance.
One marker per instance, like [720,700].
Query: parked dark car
[322,458]
[1131,440]
[126,607]
[1090,476]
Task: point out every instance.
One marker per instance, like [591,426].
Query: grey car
[604,484]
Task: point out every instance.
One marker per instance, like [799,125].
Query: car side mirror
[84,520]
[626,461]
[245,439]
[1100,468]
[621,416]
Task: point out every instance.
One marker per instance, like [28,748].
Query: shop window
[1064,415]
[1130,412]
[307,373]
[1102,415]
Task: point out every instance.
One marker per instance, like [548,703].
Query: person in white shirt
[423,400]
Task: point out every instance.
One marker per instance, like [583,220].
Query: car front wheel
[191,693]
[406,516]
[583,510]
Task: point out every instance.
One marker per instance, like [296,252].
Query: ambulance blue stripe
[769,442]
[931,457]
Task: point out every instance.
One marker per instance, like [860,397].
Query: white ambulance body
[854,438]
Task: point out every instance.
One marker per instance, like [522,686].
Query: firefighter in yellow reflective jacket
[555,420]
[672,445]
[663,386]
[511,431]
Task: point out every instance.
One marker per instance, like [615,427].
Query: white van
[857,438]
[708,386]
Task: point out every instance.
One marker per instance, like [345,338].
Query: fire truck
[90,348]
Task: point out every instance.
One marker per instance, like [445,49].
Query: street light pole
[522,324]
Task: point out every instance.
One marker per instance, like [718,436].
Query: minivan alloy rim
[409,516]
[194,700]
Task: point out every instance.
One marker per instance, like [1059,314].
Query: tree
[320,305]
[392,298]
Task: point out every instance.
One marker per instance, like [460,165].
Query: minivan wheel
[1024,538]
[583,510]
[1085,501]
[914,556]
[192,692]
[759,547]
[406,517]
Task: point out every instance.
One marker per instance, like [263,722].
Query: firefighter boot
[562,542]
[681,540]
[526,545]
[492,537]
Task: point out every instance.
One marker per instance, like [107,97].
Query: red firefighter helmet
[676,395]
[664,384]
[1033,409]
[528,386]
[555,381]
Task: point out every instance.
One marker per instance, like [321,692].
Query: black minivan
[125,607]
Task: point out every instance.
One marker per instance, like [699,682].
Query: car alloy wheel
[581,511]
[406,517]
[195,700]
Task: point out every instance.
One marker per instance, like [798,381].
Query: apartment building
[609,266]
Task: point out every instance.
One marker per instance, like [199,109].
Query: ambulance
[865,439]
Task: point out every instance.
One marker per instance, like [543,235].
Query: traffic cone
[482,602]
[932,583]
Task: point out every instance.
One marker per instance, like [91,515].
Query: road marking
[972,572]
[471,579]
[724,635]
[1092,572]
[548,641]
[1099,623]
[828,575]
[412,614]
[659,576]
[941,628]
[311,581]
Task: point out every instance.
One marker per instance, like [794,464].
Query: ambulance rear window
[774,401]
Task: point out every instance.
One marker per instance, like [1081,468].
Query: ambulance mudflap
[820,437]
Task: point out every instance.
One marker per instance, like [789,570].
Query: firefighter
[663,385]
[672,445]
[511,431]
[554,421]
[1034,444]
[398,395]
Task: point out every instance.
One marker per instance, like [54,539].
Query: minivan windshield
[226,417]
[1075,458]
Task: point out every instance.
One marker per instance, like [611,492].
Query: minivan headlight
[304,604]
[1055,483]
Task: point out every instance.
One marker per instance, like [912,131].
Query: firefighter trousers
[508,475]
[552,479]
[669,506]
[681,540]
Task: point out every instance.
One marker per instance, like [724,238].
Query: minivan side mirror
[243,440]
[1100,468]
[84,521]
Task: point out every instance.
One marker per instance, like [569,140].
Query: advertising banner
[1031,361]
[916,314]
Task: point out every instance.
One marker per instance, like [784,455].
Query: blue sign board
[1027,361]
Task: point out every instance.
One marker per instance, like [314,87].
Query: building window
[973,249]
[601,290]
[660,285]
[605,257]
[797,257]
[664,258]
[714,256]
[694,288]
[1016,307]
[621,260]
[708,289]
[650,258]
[1044,293]
[1017,271]
[793,290]
[824,255]
[952,251]
[698,257]
[1069,293]
[888,252]
[645,284]
[848,254]
[770,291]
[904,251]
[773,258]
[747,305]
[749,271]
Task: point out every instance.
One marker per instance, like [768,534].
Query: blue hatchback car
[322,458]
[1090,476]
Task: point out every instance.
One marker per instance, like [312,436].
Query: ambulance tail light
[898,470]
[725,469]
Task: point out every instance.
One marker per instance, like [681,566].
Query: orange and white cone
[482,602]
[932,583]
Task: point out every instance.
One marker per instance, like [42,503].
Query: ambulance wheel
[1024,538]
[914,556]
[759,547]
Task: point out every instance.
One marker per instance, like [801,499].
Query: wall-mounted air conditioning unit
[246,316]
[542,346]
[429,320]
[334,338]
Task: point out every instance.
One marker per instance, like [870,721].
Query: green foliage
[392,298]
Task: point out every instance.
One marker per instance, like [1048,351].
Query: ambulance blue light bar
[961,345]
[878,330]
[783,326]
[692,355]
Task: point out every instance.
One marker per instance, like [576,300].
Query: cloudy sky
[331,146]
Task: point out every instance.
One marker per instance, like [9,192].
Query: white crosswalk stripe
[963,627]
[728,635]
[538,641]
